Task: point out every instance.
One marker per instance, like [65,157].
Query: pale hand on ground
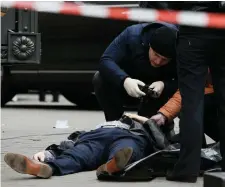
[136,117]
[40,156]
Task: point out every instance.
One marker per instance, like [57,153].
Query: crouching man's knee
[97,80]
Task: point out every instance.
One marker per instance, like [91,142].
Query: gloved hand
[159,118]
[131,87]
[157,87]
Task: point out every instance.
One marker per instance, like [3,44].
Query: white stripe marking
[47,6]
[8,4]
[94,11]
[145,15]
[196,19]
[142,15]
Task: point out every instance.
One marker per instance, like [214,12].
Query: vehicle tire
[6,91]
[82,100]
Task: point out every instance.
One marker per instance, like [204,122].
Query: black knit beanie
[163,41]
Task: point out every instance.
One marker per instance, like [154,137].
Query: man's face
[156,59]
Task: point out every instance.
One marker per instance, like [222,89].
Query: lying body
[107,148]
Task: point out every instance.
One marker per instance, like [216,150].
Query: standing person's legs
[192,71]
[211,117]
[209,120]
[218,77]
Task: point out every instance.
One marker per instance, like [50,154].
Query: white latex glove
[157,87]
[40,156]
[159,119]
[131,87]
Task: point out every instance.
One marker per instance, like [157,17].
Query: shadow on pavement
[60,107]
[52,107]
[25,178]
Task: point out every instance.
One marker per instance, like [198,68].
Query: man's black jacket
[127,55]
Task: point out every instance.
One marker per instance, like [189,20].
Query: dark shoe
[23,164]
[117,163]
[214,179]
[181,178]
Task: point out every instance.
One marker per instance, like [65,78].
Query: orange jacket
[173,106]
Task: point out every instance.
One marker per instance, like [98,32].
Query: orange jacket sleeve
[172,108]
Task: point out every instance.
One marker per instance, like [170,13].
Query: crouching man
[141,54]
[108,148]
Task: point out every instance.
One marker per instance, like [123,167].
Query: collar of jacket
[149,28]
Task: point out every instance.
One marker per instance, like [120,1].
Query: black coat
[127,55]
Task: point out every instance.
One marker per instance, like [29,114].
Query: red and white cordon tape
[199,19]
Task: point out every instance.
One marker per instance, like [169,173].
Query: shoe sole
[117,163]
[24,165]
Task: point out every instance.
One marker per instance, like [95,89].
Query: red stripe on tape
[24,4]
[118,13]
[167,16]
[216,20]
[70,9]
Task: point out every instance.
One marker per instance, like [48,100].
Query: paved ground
[27,127]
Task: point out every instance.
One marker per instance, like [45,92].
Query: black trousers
[210,118]
[112,99]
[197,49]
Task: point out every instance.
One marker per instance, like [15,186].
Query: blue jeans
[96,147]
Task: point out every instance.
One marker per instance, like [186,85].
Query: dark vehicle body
[66,56]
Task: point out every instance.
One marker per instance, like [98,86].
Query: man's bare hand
[160,119]
[136,117]
[40,156]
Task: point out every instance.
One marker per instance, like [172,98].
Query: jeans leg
[86,155]
[192,71]
[137,145]
[110,99]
